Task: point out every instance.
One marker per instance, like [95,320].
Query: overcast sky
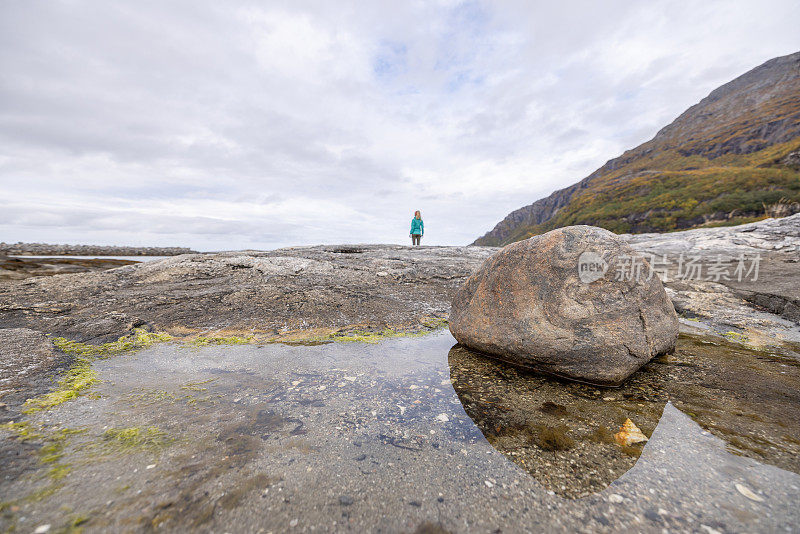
[222,125]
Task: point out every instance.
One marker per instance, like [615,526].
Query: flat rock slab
[248,291]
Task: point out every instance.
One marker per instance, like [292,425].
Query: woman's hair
[417,213]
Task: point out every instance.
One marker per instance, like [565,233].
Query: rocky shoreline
[45,249]
[312,292]
[301,289]
[20,268]
[239,319]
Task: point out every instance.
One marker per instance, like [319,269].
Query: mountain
[729,159]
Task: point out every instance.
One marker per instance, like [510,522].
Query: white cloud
[263,125]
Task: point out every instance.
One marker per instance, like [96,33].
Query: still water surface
[413,433]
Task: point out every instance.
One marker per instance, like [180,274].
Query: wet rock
[24,356]
[564,303]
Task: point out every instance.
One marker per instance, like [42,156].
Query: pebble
[488,484]
[442,417]
[293,523]
[41,529]
[747,492]
[615,498]
[382,273]
[151,466]
[345,500]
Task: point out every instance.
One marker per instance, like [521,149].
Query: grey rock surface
[764,301]
[24,354]
[533,305]
[247,292]
[728,242]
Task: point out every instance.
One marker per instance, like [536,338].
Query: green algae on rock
[131,438]
[80,376]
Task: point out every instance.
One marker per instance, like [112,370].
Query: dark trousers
[415,239]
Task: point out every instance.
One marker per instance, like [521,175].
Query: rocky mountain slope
[726,159]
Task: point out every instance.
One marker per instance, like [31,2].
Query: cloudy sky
[223,125]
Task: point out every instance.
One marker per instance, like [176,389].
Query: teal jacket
[417,228]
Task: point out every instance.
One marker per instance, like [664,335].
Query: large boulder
[577,302]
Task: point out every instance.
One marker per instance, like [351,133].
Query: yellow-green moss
[50,453]
[197,385]
[76,524]
[23,429]
[136,438]
[80,376]
[434,323]
[139,339]
[222,340]
[362,336]
[736,336]
[59,471]
[75,382]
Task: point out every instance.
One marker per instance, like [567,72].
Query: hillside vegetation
[726,160]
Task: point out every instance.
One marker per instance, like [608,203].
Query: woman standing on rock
[417,228]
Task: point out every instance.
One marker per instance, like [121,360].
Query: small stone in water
[442,417]
[747,492]
[293,523]
[629,434]
[345,500]
[615,498]
[41,529]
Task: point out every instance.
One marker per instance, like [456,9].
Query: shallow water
[395,436]
[748,397]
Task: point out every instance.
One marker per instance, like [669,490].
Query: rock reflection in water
[562,433]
